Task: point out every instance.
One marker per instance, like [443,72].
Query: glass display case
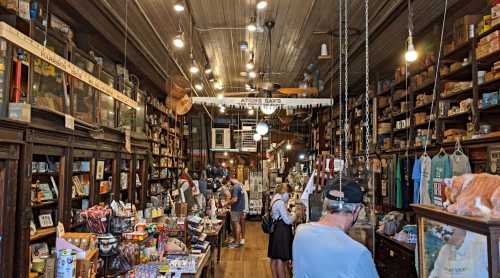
[125,112]
[48,84]
[83,94]
[107,103]
[140,113]
[456,246]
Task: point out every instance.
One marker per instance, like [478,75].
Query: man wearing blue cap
[323,248]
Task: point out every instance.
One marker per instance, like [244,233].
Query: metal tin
[66,264]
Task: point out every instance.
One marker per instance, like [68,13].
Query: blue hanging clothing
[416,174]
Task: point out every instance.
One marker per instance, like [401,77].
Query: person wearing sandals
[281,237]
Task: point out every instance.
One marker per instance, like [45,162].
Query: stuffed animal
[475,195]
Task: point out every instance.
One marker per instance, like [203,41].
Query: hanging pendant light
[194,68]
[411,54]
[288,146]
[252,26]
[179,40]
[261,5]
[262,128]
[179,6]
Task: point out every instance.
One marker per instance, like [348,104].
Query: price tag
[69,122]
[164,268]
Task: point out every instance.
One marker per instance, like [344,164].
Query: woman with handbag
[281,235]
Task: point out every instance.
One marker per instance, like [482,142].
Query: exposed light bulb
[225,153]
[251,111]
[179,6]
[198,86]
[252,74]
[223,164]
[178,41]
[252,27]
[208,70]
[218,85]
[194,69]
[257,137]
[261,5]
[411,54]
[288,146]
[250,65]
[220,96]
[222,109]
[231,161]
[302,156]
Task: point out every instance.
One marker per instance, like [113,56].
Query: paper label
[69,122]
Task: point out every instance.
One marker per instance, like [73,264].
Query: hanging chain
[436,76]
[367,88]
[346,80]
[341,151]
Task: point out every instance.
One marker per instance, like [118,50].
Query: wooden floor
[249,261]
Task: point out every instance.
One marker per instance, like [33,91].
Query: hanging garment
[406,184]
[459,164]
[441,169]
[415,175]
[399,189]
[425,178]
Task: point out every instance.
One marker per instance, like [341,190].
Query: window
[107,103]
[48,85]
[219,137]
[83,94]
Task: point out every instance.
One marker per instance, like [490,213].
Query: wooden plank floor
[249,261]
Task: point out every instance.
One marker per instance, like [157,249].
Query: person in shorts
[237,203]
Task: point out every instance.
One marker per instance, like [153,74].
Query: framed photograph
[45,220]
[100,170]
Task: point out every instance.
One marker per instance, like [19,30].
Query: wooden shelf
[464,72]
[53,174]
[44,204]
[43,233]
[458,93]
[459,52]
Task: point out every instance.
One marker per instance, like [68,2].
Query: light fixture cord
[125,45]
[436,76]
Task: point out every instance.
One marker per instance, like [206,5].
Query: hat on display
[351,192]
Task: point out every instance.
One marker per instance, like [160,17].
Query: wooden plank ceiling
[220,26]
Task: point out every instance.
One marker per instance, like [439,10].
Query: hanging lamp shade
[262,128]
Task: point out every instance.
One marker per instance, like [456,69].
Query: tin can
[66,264]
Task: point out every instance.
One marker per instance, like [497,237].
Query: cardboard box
[10,4]
[461,27]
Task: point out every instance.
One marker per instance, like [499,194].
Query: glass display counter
[456,246]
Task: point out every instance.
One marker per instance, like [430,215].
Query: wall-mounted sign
[12,35]
[246,102]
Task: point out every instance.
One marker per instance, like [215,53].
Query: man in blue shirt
[237,205]
[323,249]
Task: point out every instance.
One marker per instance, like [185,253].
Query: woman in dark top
[281,239]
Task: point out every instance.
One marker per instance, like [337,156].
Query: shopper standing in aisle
[323,249]
[243,217]
[281,237]
[237,205]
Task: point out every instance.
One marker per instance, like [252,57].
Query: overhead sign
[266,102]
[10,34]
